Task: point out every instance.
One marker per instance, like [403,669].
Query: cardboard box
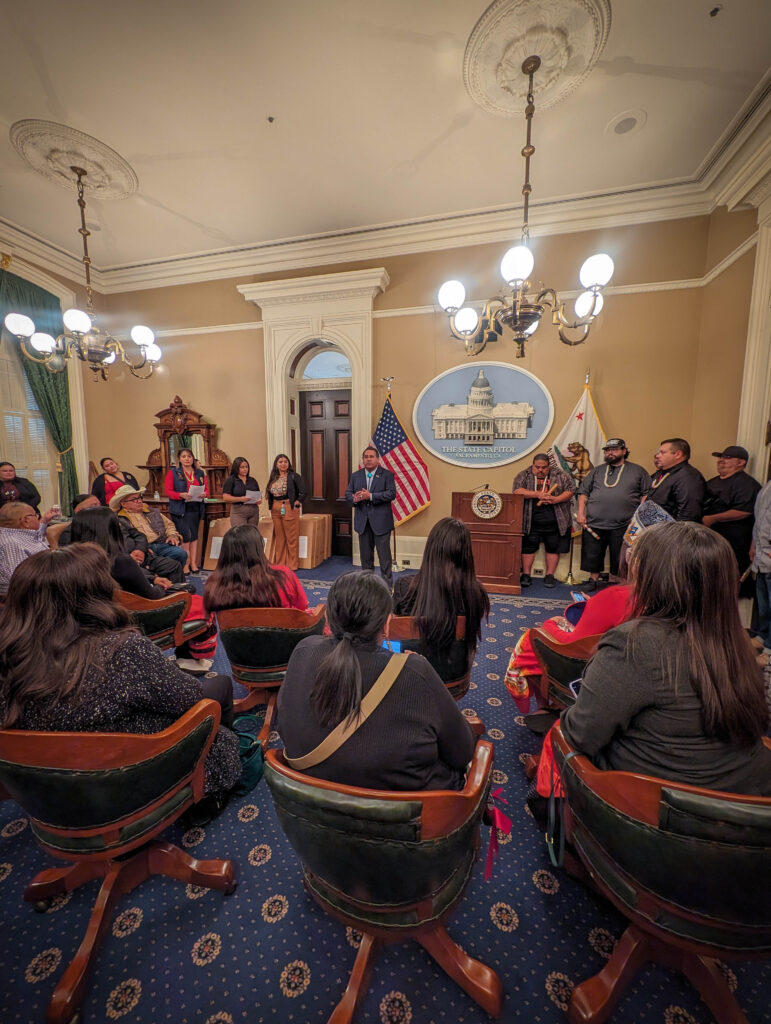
[315,540]
[217,531]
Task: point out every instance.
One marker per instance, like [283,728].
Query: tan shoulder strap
[346,728]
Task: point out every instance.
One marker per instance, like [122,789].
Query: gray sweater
[632,715]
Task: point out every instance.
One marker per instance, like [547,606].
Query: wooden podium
[497,543]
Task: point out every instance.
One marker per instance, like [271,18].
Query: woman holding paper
[186,488]
[242,493]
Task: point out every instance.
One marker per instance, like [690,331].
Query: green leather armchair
[163,621]
[390,864]
[259,643]
[99,800]
[560,663]
[688,867]
[453,666]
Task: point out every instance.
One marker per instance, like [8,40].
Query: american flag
[398,453]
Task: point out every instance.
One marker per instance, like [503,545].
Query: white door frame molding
[66,297]
[755,406]
[296,311]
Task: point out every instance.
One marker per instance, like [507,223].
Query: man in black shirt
[731,500]
[676,485]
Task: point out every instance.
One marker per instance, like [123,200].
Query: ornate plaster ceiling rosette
[568,36]
[54,149]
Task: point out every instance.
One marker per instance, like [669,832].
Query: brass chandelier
[521,312]
[81,337]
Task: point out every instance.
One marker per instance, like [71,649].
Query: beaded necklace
[661,481]
[608,468]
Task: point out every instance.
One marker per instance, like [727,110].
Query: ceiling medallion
[54,149]
[568,35]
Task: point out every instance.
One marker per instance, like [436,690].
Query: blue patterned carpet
[267,953]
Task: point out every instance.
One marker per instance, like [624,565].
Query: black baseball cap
[614,442]
[733,451]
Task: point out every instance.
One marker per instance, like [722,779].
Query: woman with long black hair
[185,510]
[444,588]
[286,493]
[244,578]
[71,662]
[415,738]
[235,494]
[676,691]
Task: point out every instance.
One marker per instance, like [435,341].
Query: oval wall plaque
[482,415]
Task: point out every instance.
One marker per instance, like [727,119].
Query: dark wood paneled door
[325,447]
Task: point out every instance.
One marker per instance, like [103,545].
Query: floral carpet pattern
[186,955]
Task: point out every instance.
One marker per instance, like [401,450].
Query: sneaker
[549,581]
[195,666]
[589,586]
[525,580]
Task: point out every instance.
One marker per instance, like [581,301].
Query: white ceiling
[373,125]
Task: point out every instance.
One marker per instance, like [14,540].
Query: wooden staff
[552,490]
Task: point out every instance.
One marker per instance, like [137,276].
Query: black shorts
[593,550]
[554,543]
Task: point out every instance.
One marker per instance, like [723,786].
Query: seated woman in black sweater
[100,526]
[445,588]
[416,738]
[71,662]
[676,692]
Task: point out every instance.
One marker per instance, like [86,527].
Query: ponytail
[357,609]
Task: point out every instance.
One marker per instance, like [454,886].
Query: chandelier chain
[84,232]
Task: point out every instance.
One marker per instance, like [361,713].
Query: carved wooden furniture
[560,663]
[180,427]
[163,621]
[259,643]
[392,865]
[98,801]
[688,868]
[497,542]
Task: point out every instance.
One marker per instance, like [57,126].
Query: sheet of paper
[252,497]
[196,492]
[303,547]
[216,547]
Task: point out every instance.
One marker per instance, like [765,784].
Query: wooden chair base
[475,978]
[120,877]
[593,1000]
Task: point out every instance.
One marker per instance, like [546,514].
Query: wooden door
[325,447]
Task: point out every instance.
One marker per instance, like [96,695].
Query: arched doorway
[319,403]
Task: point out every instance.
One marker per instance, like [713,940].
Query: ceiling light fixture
[81,337]
[522,313]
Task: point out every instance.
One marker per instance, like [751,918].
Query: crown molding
[731,175]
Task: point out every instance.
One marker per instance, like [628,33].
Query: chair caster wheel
[231,888]
[43,905]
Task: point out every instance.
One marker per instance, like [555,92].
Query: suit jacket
[376,512]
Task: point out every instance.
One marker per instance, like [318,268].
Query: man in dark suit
[371,491]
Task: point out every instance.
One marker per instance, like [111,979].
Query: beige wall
[663,362]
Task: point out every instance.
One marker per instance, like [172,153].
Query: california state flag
[578,446]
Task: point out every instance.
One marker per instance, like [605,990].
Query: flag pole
[570,578]
[388,381]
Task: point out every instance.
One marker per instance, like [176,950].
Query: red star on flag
[579,416]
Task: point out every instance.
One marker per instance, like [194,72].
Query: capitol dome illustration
[481,420]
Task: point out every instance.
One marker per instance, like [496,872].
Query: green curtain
[51,390]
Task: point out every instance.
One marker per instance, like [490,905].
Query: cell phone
[394,646]
[578,596]
[575,687]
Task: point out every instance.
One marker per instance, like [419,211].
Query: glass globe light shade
[466,320]
[77,321]
[142,336]
[42,342]
[109,360]
[586,302]
[19,325]
[451,296]
[152,353]
[517,265]
[532,328]
[596,271]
